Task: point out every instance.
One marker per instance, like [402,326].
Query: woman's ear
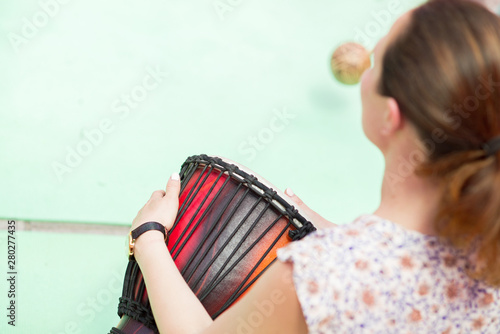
[392,117]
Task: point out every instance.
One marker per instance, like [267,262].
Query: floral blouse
[374,276]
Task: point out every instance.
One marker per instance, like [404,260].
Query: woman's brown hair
[444,72]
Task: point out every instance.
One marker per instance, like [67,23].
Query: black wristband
[147,227]
[133,235]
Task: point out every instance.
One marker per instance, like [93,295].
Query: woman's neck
[408,200]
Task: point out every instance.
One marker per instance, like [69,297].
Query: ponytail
[469,213]
[451,83]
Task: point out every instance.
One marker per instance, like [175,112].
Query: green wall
[102,100]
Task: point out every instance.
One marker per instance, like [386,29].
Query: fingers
[157,194]
[173,188]
[300,205]
[307,212]
[296,199]
[171,192]
[162,206]
[171,200]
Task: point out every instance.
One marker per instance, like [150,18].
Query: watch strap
[147,227]
[133,235]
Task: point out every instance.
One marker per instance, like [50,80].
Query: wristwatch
[133,235]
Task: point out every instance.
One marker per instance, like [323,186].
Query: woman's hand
[161,207]
[316,219]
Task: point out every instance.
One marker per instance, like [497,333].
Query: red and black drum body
[228,228]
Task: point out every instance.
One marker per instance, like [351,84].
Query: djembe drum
[228,228]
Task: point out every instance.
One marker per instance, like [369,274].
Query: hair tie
[492,147]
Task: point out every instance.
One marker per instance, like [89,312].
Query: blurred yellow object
[349,62]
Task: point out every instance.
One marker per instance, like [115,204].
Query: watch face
[130,244]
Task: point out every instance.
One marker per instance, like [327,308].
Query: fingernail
[175,176]
[289,192]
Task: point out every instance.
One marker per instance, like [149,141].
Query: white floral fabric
[374,276]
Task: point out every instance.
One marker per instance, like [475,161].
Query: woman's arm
[271,306]
[175,307]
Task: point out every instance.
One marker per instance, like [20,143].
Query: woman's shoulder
[375,247]
[376,273]
[368,247]
[367,234]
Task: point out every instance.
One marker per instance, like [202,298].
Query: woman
[428,259]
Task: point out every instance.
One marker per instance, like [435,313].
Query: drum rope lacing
[142,312]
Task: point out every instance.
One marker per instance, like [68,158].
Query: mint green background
[226,77]
[64,280]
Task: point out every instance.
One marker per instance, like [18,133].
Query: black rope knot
[202,156]
[250,180]
[302,232]
[137,311]
[269,194]
[231,169]
[291,212]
